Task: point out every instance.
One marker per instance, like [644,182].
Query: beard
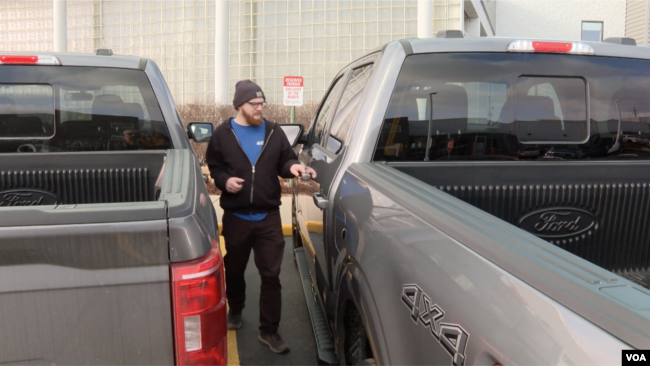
[254,119]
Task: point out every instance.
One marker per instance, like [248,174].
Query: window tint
[325,112]
[99,109]
[26,111]
[517,106]
[343,120]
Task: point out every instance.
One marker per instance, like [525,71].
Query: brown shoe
[274,341]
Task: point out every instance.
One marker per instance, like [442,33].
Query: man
[246,155]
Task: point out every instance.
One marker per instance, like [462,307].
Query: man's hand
[298,169]
[234,185]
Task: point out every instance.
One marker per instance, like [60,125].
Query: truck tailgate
[90,293]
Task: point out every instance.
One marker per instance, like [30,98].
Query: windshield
[517,106]
[76,109]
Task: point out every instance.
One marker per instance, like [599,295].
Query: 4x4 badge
[452,337]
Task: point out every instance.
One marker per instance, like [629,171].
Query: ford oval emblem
[27,197]
[558,222]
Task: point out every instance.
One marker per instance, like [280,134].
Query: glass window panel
[398,27]
[294,5]
[306,17]
[234,8]
[306,5]
[384,27]
[282,44]
[344,42]
[411,29]
[411,13]
[383,3]
[305,30]
[344,29]
[319,55]
[281,6]
[439,11]
[398,13]
[371,42]
[592,31]
[330,29]
[294,44]
[371,28]
[344,15]
[384,14]
[306,43]
[319,17]
[305,57]
[281,32]
[330,43]
[269,6]
[319,29]
[454,10]
[294,18]
[269,45]
[319,43]
[281,19]
[371,14]
[344,4]
[357,28]
[356,42]
[331,15]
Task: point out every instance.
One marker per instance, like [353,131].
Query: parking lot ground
[295,327]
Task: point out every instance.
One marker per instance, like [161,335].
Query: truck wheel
[357,347]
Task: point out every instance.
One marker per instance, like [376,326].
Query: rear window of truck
[77,109]
[479,106]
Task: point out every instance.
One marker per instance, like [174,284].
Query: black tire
[357,349]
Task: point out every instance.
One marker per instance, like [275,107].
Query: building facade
[270,39]
[574,20]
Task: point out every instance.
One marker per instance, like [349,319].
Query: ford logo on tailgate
[558,222]
[27,197]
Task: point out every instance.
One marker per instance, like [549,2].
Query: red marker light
[16,59]
[574,48]
[552,46]
[29,60]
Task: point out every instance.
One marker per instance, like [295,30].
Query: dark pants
[265,238]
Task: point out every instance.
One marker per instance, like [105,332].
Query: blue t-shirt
[251,139]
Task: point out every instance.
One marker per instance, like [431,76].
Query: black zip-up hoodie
[261,190]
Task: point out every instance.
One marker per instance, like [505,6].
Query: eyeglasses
[256,105]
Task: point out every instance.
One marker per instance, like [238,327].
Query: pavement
[295,327]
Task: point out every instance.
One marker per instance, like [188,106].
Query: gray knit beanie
[246,90]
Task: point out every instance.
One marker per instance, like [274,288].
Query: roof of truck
[498,44]
[88,59]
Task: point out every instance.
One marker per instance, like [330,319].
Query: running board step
[324,343]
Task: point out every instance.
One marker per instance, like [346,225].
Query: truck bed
[615,194]
[86,279]
[613,303]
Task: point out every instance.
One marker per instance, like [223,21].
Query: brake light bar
[29,60]
[574,48]
[199,306]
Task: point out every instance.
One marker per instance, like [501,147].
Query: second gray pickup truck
[479,201]
[109,250]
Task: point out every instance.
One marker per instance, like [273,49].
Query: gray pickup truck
[479,201]
[109,249]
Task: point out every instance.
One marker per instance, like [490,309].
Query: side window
[325,112]
[347,107]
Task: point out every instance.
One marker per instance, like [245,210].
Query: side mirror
[293,132]
[199,131]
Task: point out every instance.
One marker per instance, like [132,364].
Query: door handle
[320,200]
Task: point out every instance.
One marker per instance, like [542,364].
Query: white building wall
[558,19]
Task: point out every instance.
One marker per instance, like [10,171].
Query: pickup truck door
[326,158]
[313,193]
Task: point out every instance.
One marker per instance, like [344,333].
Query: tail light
[198,293]
[29,60]
[574,48]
